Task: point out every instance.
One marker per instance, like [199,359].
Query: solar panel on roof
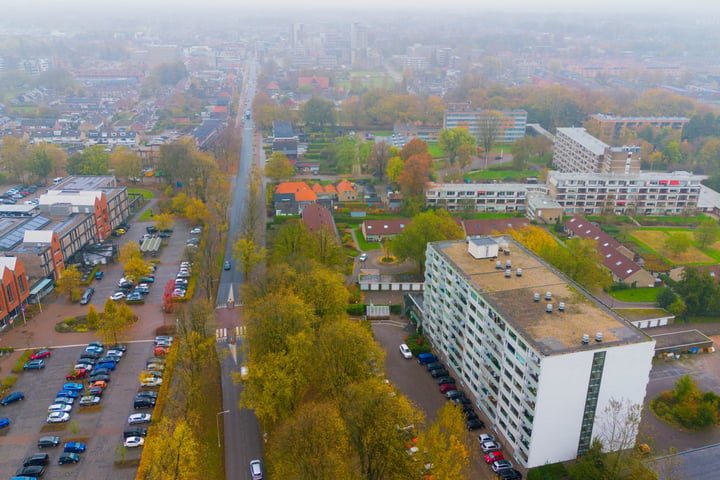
[16,235]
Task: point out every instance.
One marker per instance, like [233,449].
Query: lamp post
[217,423]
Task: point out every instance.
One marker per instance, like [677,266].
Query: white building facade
[542,371]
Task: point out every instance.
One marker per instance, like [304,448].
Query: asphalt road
[241,432]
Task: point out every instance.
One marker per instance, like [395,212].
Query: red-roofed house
[319,84]
[346,191]
[317,188]
[272,88]
[488,226]
[379,230]
[316,218]
[615,256]
[290,198]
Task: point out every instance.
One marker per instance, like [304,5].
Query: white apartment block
[480,197]
[576,151]
[542,379]
[645,193]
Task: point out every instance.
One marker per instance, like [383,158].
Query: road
[241,433]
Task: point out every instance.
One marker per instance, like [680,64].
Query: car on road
[40,354]
[59,407]
[196,230]
[117,296]
[89,400]
[501,465]
[68,457]
[494,456]
[227,265]
[99,275]
[74,447]
[36,459]
[77,374]
[87,296]
[132,442]
[58,417]
[31,471]
[138,418]
[256,470]
[4,422]
[48,441]
[362,257]
[405,351]
[73,386]
[12,398]
[34,365]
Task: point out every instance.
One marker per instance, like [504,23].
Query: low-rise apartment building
[539,357]
[479,197]
[462,115]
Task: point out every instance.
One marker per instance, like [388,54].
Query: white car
[362,257]
[59,407]
[136,418]
[151,382]
[114,353]
[132,442]
[117,296]
[405,350]
[58,417]
[196,230]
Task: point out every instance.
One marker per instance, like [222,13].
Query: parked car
[151,382]
[77,374]
[99,275]
[78,387]
[405,351]
[501,465]
[12,398]
[98,383]
[68,457]
[362,257]
[95,391]
[99,378]
[147,394]
[48,441]
[135,432]
[474,424]
[446,387]
[134,297]
[256,470]
[443,380]
[486,437]
[140,403]
[434,366]
[87,296]
[161,351]
[137,418]
[109,366]
[74,447]
[424,358]
[440,372]
[489,446]
[31,471]
[509,474]
[494,456]
[453,394]
[65,400]
[34,365]
[58,417]
[68,393]
[40,354]
[121,348]
[36,459]
[196,230]
[4,422]
[89,400]
[59,407]
[84,365]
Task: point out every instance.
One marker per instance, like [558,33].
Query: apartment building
[610,126]
[576,151]
[479,197]
[539,357]
[644,193]
[463,115]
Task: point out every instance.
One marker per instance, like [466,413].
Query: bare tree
[617,428]
[489,126]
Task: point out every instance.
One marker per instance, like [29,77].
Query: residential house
[316,217]
[381,230]
[290,198]
[346,191]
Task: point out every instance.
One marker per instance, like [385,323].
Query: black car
[146,393]
[470,415]
[68,457]
[36,459]
[31,471]
[99,378]
[508,474]
[462,400]
[48,442]
[474,424]
[444,380]
[95,391]
[120,348]
[151,229]
[434,366]
[134,432]
[440,372]
[93,355]
[143,402]
[109,358]
[453,394]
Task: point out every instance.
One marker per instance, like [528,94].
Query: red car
[40,354]
[77,374]
[446,387]
[493,457]
[161,350]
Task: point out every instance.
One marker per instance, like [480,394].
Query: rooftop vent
[548,295]
[549,308]
[519,272]
[536,297]
[561,306]
[585,339]
[598,337]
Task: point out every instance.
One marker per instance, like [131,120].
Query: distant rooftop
[555,333]
[581,136]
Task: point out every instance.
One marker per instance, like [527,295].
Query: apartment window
[21,284]
[9,291]
[594,381]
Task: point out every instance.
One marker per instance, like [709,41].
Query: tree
[173,453]
[707,233]
[163,221]
[446,444]
[273,319]
[452,140]
[93,317]
[324,291]
[378,159]
[40,163]
[325,247]
[489,127]
[677,243]
[394,169]
[582,262]
[426,227]
[617,429]
[126,164]
[313,444]
[69,282]
[291,241]
[535,239]
[699,291]
[112,322]
[415,146]
[249,255]
[92,161]
[318,112]
[279,167]
[416,173]
[14,155]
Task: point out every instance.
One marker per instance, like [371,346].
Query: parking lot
[101,429]
[414,381]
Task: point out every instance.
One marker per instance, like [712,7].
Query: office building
[539,357]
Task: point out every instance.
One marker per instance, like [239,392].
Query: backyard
[653,240]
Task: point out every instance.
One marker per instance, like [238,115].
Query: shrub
[356,309]
[8,382]
[18,368]
[551,470]
[82,329]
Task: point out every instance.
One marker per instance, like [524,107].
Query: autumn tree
[249,255]
[582,262]
[677,243]
[318,112]
[163,221]
[14,156]
[93,317]
[127,164]
[291,240]
[415,146]
[451,142]
[323,290]
[707,233]
[278,167]
[174,452]
[416,173]
[91,161]
[535,239]
[112,322]
[489,129]
[444,444]
[325,247]
[394,169]
[40,162]
[378,159]
[133,264]
[69,282]
[424,228]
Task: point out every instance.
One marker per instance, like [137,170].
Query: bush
[417,344]
[396,309]
[552,471]
[18,368]
[8,382]
[356,309]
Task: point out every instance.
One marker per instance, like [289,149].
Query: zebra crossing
[223,335]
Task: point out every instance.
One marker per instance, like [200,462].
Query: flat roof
[580,135]
[681,341]
[86,182]
[550,333]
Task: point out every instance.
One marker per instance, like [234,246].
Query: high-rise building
[576,151]
[541,358]
[297,35]
[358,42]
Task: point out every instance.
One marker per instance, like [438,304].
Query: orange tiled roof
[330,188]
[317,188]
[344,186]
[291,187]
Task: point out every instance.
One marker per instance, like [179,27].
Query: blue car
[106,365]
[77,387]
[74,447]
[4,422]
[68,393]
[12,398]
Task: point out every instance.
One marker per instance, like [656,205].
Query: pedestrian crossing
[224,335]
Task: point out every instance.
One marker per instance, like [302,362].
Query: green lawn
[435,150]
[363,245]
[146,193]
[637,294]
[146,215]
[499,174]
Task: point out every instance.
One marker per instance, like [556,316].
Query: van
[426,358]
[57,180]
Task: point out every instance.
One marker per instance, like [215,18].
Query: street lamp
[217,423]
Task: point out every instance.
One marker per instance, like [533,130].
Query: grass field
[363,245]
[637,294]
[435,150]
[146,193]
[499,174]
[655,240]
